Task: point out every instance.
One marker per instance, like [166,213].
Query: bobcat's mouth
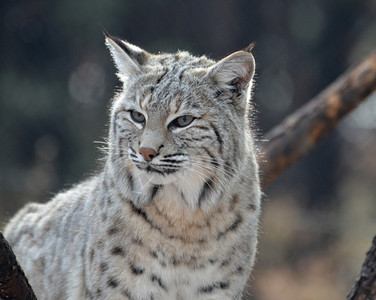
[155,174]
[152,168]
[164,172]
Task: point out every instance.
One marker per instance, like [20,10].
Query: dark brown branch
[365,286]
[301,130]
[13,282]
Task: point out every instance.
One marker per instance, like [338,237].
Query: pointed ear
[128,58]
[234,71]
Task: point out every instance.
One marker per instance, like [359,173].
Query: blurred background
[57,80]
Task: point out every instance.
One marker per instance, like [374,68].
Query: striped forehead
[168,88]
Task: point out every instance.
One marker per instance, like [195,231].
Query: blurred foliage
[57,80]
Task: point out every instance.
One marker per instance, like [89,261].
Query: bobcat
[173,214]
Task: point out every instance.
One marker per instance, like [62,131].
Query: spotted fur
[174,212]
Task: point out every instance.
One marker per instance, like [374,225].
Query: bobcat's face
[179,120]
[170,138]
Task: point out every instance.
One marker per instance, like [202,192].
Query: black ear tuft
[128,58]
[249,48]
[105,32]
[124,45]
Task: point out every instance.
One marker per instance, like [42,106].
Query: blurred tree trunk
[284,145]
[13,282]
[365,286]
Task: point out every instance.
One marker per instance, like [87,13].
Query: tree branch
[365,286]
[13,282]
[301,130]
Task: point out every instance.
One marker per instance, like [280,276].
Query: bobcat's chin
[158,178]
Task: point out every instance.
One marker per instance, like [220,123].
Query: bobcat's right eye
[137,116]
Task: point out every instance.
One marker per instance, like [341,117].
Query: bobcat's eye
[182,121]
[137,117]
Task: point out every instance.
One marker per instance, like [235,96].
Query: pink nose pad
[148,153]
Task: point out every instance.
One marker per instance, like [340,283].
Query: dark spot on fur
[91,255]
[175,261]
[103,267]
[225,262]
[214,163]
[155,278]
[144,215]
[218,93]
[206,289]
[127,293]
[88,294]
[130,181]
[251,206]
[154,191]
[100,244]
[213,260]
[136,270]
[118,250]
[218,136]
[153,253]
[207,151]
[224,285]
[240,270]
[121,151]
[218,285]
[99,292]
[112,282]
[181,75]
[205,190]
[238,220]
[160,78]
[228,168]
[113,230]
[234,201]
[137,240]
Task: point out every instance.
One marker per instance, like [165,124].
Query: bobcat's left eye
[137,116]
[183,121]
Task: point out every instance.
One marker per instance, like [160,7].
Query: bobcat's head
[179,120]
